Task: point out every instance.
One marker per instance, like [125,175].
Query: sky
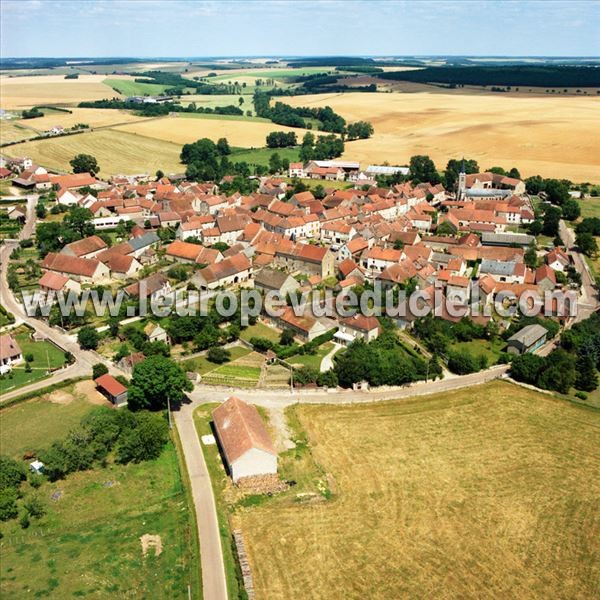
[197,28]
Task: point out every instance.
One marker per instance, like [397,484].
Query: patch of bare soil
[89,391]
[149,541]
[60,397]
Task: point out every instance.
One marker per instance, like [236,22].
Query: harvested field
[182,130]
[94,117]
[550,136]
[116,151]
[10,131]
[490,492]
[24,92]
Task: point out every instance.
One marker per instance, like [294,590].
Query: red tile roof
[110,385]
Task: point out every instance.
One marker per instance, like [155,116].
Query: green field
[88,542]
[200,364]
[261,156]
[129,87]
[216,117]
[590,207]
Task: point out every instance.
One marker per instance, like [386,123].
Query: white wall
[253,462]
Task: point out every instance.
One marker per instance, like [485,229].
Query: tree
[156,380]
[159,175]
[85,163]
[12,472]
[587,376]
[8,504]
[557,191]
[422,170]
[527,367]
[218,355]
[551,221]
[454,167]
[319,192]
[530,258]
[79,221]
[98,370]
[535,227]
[88,338]
[287,337]
[274,163]
[571,210]
[145,441]
[587,243]
[223,147]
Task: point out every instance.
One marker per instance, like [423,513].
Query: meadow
[117,152]
[549,136]
[88,542]
[10,131]
[483,493]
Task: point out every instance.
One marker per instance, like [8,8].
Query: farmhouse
[154,287]
[10,353]
[235,270]
[527,339]
[244,440]
[54,282]
[114,390]
[267,280]
[357,327]
[86,248]
[84,270]
[74,182]
[306,258]
[305,327]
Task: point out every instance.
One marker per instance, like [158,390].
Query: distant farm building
[114,390]
[244,440]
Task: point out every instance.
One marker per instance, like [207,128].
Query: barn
[244,440]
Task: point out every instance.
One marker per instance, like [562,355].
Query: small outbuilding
[36,466]
[114,390]
[244,440]
[527,339]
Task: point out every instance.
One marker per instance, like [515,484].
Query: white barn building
[244,440]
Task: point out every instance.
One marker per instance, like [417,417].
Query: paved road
[214,585]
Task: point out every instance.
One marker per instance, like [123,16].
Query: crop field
[10,131]
[242,372]
[590,207]
[94,117]
[482,493]
[24,92]
[116,152]
[536,134]
[182,130]
[88,542]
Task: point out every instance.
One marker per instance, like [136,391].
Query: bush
[8,504]
[261,344]
[24,520]
[581,395]
[463,363]
[29,357]
[34,507]
[98,370]
[12,473]
[88,338]
[218,355]
[145,441]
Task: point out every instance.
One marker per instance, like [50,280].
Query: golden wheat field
[116,151]
[24,92]
[490,493]
[553,137]
[181,130]
[11,131]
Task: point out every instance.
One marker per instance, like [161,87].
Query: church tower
[462,182]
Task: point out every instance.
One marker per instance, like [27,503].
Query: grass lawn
[200,364]
[45,354]
[88,543]
[590,207]
[37,423]
[486,492]
[311,360]
[261,156]
[260,330]
[18,377]
[490,349]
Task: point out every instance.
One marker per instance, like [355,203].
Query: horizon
[128,28]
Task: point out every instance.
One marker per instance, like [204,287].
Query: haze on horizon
[199,28]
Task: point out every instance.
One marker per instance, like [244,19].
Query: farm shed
[527,339]
[113,389]
[244,440]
